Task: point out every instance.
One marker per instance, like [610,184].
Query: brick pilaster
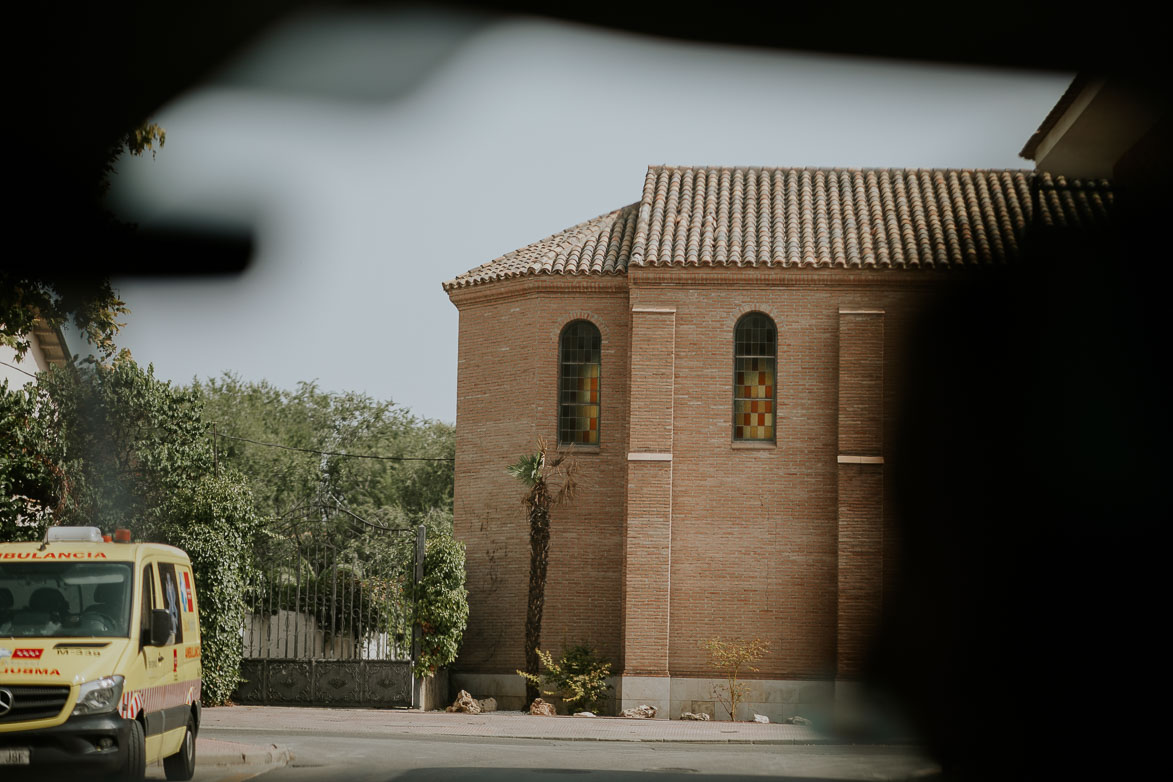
[648,533]
[860,483]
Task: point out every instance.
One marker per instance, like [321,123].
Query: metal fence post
[417,682]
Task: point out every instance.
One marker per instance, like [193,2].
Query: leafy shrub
[441,604]
[579,677]
[212,522]
[731,657]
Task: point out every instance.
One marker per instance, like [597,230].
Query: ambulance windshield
[65,599]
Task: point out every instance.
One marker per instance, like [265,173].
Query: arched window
[755,351]
[580,350]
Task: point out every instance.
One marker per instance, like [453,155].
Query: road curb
[213,752]
[797,742]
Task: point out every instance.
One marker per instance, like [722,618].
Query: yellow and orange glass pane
[578,393]
[753,380]
[753,407]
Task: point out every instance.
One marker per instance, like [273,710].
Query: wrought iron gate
[329,620]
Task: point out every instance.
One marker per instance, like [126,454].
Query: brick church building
[721,357]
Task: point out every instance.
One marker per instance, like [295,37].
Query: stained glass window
[580,351]
[755,352]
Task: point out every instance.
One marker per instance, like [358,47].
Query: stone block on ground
[641,712]
[692,715]
[465,704]
[539,708]
[761,718]
[488,704]
[583,714]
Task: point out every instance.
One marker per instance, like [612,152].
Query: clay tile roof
[598,246]
[814,218]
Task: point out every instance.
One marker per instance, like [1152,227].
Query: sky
[376,155]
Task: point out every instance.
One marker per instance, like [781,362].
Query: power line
[345,455]
[18,369]
[354,515]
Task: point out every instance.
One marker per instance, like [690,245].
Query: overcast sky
[376,156]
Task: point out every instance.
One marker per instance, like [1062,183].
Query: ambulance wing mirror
[162,629]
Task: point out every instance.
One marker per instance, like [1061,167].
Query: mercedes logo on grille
[6,700]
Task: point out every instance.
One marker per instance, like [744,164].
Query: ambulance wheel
[181,765]
[135,767]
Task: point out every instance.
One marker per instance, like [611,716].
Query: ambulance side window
[187,595]
[148,605]
[171,598]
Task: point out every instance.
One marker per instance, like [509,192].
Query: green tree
[388,492]
[549,480]
[135,141]
[128,440]
[31,479]
[110,445]
[385,493]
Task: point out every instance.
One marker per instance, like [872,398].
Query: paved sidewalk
[501,724]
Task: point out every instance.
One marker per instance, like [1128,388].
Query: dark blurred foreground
[1025,639]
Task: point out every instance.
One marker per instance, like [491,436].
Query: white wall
[20,373]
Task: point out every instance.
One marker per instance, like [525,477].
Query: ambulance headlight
[99,696]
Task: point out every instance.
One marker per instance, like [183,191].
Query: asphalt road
[334,752]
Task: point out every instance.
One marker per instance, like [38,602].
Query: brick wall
[755,540]
[506,398]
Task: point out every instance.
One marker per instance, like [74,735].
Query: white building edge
[47,348]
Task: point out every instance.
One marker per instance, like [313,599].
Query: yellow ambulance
[99,657]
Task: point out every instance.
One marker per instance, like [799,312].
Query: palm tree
[550,482]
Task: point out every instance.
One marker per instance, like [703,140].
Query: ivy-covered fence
[318,595]
[344,614]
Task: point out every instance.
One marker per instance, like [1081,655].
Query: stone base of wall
[778,699]
[654,691]
[508,689]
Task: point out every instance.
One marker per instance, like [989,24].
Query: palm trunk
[539,529]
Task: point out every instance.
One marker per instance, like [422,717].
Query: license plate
[15,756]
